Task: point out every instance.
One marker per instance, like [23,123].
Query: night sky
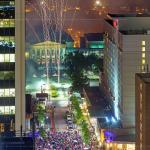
[89,17]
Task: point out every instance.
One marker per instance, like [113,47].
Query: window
[7,22]
[143,61]
[143,55]
[4,39]
[7,75]
[143,68]
[6,57]
[6,109]
[143,43]
[12,109]
[143,49]
[1,57]
[12,57]
[2,93]
[7,92]
[12,92]
[1,109]
[119,146]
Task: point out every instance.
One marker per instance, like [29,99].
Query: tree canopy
[77,66]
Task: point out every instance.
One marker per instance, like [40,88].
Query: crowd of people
[60,141]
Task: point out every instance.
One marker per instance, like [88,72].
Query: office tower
[12,83]
[127,42]
[142,103]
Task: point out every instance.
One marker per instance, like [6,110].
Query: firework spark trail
[43,11]
[53,16]
[33,30]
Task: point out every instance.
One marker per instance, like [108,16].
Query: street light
[98,3]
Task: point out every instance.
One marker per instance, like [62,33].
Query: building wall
[123,57]
[20,65]
[142,113]
[130,23]
[7,66]
[131,64]
[112,66]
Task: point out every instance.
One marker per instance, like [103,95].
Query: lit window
[12,57]
[7,110]
[12,3]
[143,49]
[6,92]
[2,93]
[1,57]
[1,109]
[12,109]
[143,43]
[119,146]
[130,146]
[12,92]
[6,57]
[143,61]
[143,55]
[143,68]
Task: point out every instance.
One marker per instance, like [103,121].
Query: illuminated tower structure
[127,42]
[12,75]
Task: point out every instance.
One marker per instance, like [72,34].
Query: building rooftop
[94,36]
[144,76]
[134,32]
[128,15]
[97,101]
[130,32]
[95,96]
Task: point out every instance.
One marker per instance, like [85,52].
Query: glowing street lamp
[98,3]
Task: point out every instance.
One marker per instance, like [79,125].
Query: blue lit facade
[126,53]
[112,71]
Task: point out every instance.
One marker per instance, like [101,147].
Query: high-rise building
[142,103]
[12,82]
[127,42]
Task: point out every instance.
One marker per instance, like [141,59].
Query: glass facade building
[7,65]
[12,97]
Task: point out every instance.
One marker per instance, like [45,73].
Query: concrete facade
[20,65]
[142,103]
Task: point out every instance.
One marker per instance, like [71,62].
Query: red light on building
[115,23]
